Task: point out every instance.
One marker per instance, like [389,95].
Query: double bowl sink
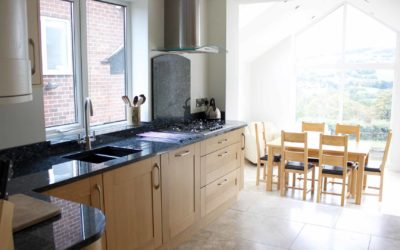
[102,154]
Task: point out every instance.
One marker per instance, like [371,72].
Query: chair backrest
[313,127]
[345,129]
[336,152]
[386,152]
[291,152]
[259,129]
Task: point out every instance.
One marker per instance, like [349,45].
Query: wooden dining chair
[333,164]
[295,161]
[262,156]
[313,127]
[345,129]
[372,169]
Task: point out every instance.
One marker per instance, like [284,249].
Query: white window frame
[65,26]
[341,66]
[81,69]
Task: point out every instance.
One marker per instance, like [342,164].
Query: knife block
[6,217]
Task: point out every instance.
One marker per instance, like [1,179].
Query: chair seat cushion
[371,168]
[336,170]
[313,160]
[277,158]
[295,165]
[352,164]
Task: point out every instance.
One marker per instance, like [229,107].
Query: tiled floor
[264,220]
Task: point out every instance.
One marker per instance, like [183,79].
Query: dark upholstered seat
[277,158]
[327,169]
[372,168]
[295,165]
[313,160]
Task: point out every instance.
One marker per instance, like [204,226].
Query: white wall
[217,62]
[272,87]
[23,123]
[233,97]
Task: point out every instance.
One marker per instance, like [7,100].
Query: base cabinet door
[181,190]
[132,199]
[88,191]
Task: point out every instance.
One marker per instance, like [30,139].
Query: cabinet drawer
[219,163]
[220,142]
[218,192]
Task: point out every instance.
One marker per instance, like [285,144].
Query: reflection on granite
[78,226]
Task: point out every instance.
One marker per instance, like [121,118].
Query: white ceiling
[265,23]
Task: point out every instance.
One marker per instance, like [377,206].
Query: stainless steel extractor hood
[182,27]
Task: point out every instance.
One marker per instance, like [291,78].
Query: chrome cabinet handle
[244,141]
[183,154]
[33,68]
[156,186]
[222,141]
[223,154]
[222,182]
[98,188]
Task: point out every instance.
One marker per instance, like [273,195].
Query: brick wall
[105,26]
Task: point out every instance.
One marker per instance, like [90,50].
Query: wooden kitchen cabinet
[132,198]
[222,170]
[34,44]
[181,190]
[88,191]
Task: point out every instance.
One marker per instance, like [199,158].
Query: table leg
[360,174]
[269,169]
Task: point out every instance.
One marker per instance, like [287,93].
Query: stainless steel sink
[103,154]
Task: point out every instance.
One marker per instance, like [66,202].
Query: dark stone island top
[40,167]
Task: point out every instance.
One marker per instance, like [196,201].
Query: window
[56,46]
[345,72]
[84,55]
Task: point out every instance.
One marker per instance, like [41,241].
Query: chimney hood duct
[182,27]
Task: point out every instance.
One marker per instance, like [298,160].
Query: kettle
[212,111]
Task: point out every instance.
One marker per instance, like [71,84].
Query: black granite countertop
[79,225]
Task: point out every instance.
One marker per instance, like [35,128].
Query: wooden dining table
[357,152]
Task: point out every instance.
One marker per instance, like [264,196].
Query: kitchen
[25,123]
[208,74]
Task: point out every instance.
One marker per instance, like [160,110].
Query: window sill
[99,130]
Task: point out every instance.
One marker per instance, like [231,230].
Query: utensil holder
[134,116]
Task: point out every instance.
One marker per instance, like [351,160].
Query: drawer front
[220,142]
[218,192]
[219,163]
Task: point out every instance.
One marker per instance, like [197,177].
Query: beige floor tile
[378,243]
[316,237]
[266,230]
[265,220]
[369,222]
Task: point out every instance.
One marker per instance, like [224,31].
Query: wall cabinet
[35,53]
[132,197]
[181,190]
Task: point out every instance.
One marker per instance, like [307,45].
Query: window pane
[318,95]
[368,40]
[58,77]
[322,42]
[106,60]
[368,100]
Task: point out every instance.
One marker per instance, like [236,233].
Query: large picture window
[345,72]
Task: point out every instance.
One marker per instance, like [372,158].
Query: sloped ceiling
[265,23]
